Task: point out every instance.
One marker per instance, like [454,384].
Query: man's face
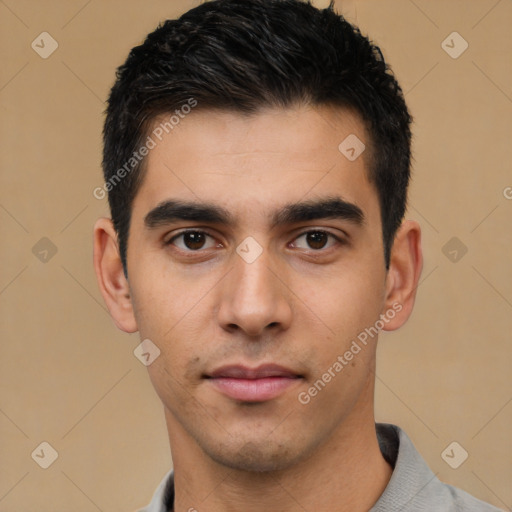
[299,304]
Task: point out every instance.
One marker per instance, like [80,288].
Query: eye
[316,240]
[192,241]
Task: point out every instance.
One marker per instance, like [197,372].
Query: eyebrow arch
[173,210]
[324,208]
[315,209]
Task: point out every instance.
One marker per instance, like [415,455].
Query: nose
[254,298]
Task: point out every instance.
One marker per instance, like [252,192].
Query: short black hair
[242,56]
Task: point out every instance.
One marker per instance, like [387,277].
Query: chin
[257,456]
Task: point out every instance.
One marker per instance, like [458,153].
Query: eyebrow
[325,208]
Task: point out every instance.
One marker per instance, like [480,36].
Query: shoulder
[163,495]
[413,486]
[465,502]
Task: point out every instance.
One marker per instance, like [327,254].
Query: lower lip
[253,390]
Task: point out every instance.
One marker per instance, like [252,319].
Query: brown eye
[191,240]
[315,239]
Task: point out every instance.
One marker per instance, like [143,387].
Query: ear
[111,279]
[406,263]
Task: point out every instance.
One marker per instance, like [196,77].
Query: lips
[243,372]
[253,384]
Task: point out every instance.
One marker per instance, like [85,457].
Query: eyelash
[338,240]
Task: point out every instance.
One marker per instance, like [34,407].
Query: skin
[298,304]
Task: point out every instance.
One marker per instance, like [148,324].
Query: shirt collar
[411,475]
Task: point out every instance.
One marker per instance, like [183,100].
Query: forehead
[248,162]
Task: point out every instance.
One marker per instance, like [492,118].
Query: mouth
[253,384]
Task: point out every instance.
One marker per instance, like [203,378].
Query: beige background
[69,378]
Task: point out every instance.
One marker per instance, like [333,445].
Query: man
[257,158]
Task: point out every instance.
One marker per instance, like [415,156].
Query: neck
[346,473]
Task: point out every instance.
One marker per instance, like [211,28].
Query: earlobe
[405,267]
[111,279]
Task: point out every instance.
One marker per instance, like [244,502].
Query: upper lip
[260,372]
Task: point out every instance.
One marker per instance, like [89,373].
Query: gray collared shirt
[412,487]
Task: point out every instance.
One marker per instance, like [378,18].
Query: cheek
[168,384]
[171,309]
[164,296]
[344,302]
